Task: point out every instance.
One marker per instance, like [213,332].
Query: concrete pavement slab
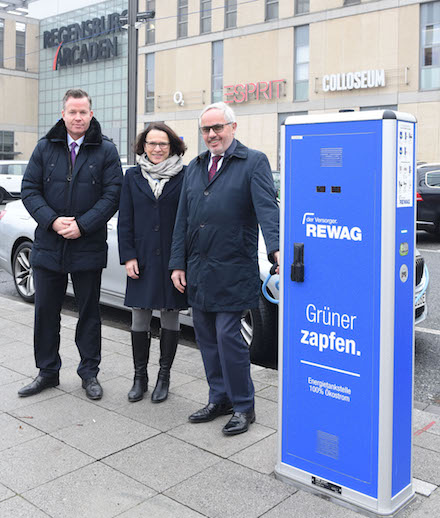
[15,349]
[197,391]
[228,490]
[191,368]
[268,376]
[161,462]
[60,412]
[429,508]
[161,507]
[105,435]
[116,335]
[266,412]
[423,488]
[426,465]
[33,463]
[9,376]
[10,401]
[26,364]
[261,456]
[270,393]
[4,494]
[209,436]
[433,409]
[162,416]
[96,491]
[423,420]
[18,507]
[15,432]
[303,504]
[428,441]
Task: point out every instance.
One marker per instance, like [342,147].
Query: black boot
[140,342]
[168,345]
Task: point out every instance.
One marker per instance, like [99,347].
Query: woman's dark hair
[177,146]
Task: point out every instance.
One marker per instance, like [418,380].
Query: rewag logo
[327,228]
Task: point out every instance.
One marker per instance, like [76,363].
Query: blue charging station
[347,307]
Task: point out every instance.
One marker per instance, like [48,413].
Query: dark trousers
[225,357]
[50,289]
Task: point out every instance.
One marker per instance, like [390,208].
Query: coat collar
[93,136]
[144,186]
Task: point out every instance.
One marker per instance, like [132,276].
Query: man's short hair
[228,112]
[76,93]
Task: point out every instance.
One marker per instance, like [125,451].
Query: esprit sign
[240,92]
[84,52]
[353,80]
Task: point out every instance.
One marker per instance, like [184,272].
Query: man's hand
[179,280]
[132,268]
[61,223]
[70,231]
[276,256]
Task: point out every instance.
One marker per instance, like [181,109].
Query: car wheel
[22,271]
[259,328]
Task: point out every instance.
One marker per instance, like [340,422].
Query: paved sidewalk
[64,456]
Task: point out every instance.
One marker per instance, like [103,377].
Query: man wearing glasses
[226,193]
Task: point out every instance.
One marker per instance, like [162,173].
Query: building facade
[273,58]
[18,85]
[268,59]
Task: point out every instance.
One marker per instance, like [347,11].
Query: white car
[17,227]
[11,175]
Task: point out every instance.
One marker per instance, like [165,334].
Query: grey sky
[45,8]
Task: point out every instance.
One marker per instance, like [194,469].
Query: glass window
[430,46]
[302,6]
[301,63]
[351,2]
[271,10]
[182,18]
[217,72]
[20,46]
[6,145]
[205,16]
[150,37]
[230,14]
[2,40]
[149,83]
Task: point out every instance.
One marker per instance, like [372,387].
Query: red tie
[213,168]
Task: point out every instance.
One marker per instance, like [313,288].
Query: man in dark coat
[71,188]
[226,193]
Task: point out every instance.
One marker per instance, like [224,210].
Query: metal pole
[132,79]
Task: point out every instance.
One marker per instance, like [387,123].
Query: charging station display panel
[332,317]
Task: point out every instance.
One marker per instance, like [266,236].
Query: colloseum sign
[353,80]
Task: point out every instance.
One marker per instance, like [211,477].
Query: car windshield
[17,169]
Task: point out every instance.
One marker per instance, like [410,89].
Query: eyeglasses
[217,128]
[153,145]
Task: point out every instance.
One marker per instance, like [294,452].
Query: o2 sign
[263,90]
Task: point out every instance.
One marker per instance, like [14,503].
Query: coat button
[202,225]
[156,205]
[157,251]
[156,228]
[206,193]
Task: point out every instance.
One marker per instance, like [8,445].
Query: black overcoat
[145,229]
[89,191]
[216,233]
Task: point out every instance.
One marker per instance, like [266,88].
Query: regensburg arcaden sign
[104,46]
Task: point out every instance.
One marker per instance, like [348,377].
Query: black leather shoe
[239,423]
[93,388]
[210,412]
[40,383]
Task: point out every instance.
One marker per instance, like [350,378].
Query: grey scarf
[158,175]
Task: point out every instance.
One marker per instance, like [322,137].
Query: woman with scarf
[148,206]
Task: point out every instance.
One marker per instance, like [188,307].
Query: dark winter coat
[145,230]
[216,233]
[89,191]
